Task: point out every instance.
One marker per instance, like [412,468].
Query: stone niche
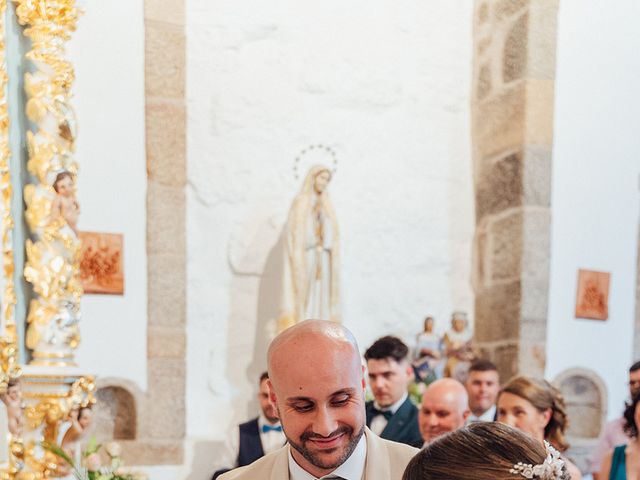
[585,398]
[116,413]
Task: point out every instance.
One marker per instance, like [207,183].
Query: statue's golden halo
[315,154]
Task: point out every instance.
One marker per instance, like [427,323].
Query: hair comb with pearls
[551,469]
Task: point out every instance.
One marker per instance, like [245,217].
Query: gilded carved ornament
[52,211]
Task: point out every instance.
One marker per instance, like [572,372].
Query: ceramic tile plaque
[592,299]
[101,264]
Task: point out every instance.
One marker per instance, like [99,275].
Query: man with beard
[444,408]
[255,438]
[316,381]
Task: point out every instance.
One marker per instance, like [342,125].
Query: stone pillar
[512,133]
[163,418]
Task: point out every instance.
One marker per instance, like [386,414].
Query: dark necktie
[269,428]
[385,413]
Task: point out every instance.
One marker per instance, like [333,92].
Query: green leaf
[92,447]
[57,450]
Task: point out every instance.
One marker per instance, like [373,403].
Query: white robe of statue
[310,283]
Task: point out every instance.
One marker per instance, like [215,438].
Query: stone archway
[512,135]
[585,396]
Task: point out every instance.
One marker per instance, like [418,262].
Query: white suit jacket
[386,460]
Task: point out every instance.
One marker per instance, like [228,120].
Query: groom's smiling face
[317,384]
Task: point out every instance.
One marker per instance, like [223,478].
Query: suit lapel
[280,468]
[368,410]
[397,421]
[377,463]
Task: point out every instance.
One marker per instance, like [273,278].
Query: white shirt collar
[487,416]
[351,469]
[262,420]
[393,408]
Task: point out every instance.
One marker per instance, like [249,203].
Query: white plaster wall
[386,85]
[108,53]
[595,191]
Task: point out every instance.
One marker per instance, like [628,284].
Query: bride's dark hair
[480,451]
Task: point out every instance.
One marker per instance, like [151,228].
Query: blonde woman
[537,408]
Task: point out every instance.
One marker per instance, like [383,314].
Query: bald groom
[317,385]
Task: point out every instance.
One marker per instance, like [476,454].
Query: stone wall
[512,133]
[162,417]
[263,84]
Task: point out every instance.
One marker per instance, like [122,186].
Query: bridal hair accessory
[550,469]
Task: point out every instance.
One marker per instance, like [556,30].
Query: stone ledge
[152,452]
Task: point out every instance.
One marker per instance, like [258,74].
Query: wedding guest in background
[391,414]
[483,384]
[623,462]
[444,408]
[613,433]
[486,451]
[316,382]
[255,438]
[537,408]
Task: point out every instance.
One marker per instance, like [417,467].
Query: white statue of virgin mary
[310,279]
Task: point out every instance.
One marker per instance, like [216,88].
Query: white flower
[113,449]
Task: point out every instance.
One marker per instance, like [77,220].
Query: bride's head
[486,451]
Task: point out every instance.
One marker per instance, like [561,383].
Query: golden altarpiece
[37,346]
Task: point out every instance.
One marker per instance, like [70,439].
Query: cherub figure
[12,398]
[65,205]
[81,420]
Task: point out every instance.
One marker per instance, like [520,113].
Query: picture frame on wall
[592,298]
[101,263]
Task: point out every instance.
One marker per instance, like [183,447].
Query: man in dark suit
[391,415]
[255,438]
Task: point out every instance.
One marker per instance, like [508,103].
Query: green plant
[90,467]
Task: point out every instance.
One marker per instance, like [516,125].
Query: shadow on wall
[268,309]
[256,280]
